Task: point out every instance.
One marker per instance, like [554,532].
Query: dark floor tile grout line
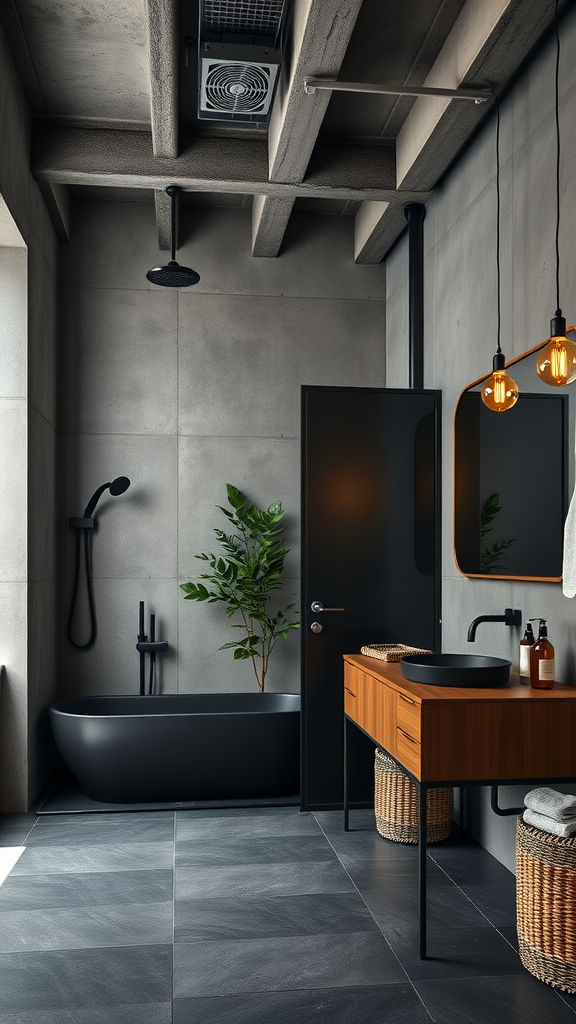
[383,934]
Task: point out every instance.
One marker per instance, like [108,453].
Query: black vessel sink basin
[456,669]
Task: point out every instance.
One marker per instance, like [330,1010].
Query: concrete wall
[28,583]
[184,391]
[460,325]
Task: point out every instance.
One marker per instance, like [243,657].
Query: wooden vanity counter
[459,734]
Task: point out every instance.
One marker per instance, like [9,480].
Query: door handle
[316,627]
[317,606]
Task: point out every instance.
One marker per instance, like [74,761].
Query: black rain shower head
[172,275]
[117,486]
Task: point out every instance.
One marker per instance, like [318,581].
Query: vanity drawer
[408,751]
[354,688]
[408,715]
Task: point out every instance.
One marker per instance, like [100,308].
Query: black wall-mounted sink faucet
[511,617]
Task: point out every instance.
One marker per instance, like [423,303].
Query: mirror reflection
[513,478]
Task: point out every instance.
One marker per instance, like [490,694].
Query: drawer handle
[350,692]
[407,699]
[406,736]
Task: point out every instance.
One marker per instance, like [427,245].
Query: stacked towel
[551,811]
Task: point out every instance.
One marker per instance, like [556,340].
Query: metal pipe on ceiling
[415,213]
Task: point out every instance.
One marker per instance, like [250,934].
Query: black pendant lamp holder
[172,275]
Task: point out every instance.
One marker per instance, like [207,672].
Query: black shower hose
[89,588]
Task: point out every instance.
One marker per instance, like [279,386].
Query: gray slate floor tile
[270,916]
[265,880]
[278,822]
[318,961]
[384,1004]
[117,857]
[102,829]
[70,979]
[89,889]
[234,851]
[87,927]
[519,999]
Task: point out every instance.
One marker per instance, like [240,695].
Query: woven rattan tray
[391,652]
[546,905]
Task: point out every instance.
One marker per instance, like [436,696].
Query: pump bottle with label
[525,645]
[542,660]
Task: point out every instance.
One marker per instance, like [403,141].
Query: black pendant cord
[498,283]
[557,106]
[89,589]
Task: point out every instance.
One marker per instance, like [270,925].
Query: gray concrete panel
[14,683]
[42,454]
[13,322]
[243,358]
[42,334]
[14,471]
[122,362]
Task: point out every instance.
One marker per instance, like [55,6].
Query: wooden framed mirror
[513,475]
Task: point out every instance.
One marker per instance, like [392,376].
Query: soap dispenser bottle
[525,645]
[542,660]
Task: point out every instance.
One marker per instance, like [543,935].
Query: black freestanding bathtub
[181,747]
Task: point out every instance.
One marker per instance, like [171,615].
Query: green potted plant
[244,576]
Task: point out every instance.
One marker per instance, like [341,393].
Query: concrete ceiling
[113,93]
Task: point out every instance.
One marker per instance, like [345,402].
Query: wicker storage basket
[396,805]
[546,905]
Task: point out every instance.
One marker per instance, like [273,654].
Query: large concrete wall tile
[265,469]
[13,322]
[42,335]
[13,473]
[112,246]
[203,668]
[13,698]
[135,534]
[42,453]
[316,258]
[43,682]
[111,666]
[242,359]
[122,362]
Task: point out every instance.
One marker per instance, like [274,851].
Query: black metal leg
[346,816]
[422,836]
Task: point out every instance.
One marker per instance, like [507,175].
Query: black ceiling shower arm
[415,213]
[172,275]
[173,191]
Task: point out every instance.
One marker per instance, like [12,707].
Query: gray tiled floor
[251,916]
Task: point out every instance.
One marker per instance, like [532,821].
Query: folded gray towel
[557,828]
[560,806]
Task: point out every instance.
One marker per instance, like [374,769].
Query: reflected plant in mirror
[492,558]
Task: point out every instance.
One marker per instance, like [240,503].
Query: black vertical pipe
[415,213]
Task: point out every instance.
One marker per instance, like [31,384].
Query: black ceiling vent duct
[239,58]
[172,275]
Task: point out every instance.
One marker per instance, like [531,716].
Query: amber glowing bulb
[499,392]
[556,362]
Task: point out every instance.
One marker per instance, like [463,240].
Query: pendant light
[499,391]
[556,362]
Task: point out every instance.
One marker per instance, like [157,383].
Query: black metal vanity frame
[423,788]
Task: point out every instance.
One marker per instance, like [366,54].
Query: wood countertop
[391,674]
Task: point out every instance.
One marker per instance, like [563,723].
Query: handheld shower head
[116,486]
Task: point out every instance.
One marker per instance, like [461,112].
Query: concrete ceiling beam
[57,201]
[489,40]
[270,216]
[317,43]
[162,22]
[125,160]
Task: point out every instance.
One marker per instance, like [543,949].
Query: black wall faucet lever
[511,617]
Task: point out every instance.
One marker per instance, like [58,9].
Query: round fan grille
[232,86]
